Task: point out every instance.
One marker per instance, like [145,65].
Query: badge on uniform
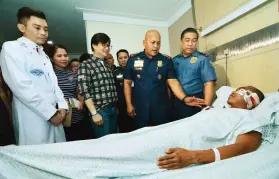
[159,77]
[160,63]
[193,60]
[138,76]
[138,65]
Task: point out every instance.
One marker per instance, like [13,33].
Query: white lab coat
[28,72]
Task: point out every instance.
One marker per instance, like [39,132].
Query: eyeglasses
[107,45]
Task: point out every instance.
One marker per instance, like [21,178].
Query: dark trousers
[78,131]
[180,110]
[154,115]
[125,122]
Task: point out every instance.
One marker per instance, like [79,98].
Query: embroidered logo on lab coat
[37,72]
[23,45]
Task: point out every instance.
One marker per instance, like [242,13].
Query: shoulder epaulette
[134,54]
[204,54]
[169,57]
[177,55]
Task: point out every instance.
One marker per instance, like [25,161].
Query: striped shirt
[96,81]
[67,81]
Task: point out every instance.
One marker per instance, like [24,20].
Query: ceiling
[65,17]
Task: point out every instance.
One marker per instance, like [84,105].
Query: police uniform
[192,72]
[125,122]
[150,94]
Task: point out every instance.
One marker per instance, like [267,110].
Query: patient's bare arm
[178,158]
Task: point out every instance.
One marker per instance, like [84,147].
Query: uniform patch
[37,72]
[159,77]
[160,63]
[138,76]
[193,60]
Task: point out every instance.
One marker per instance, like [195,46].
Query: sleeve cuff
[50,113]
[63,105]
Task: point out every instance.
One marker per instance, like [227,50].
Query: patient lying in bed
[211,135]
[243,98]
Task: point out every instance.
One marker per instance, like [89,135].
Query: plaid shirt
[96,81]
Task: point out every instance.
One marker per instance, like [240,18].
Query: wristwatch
[184,98]
[94,113]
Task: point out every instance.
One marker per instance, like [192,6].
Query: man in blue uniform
[195,74]
[150,72]
[125,122]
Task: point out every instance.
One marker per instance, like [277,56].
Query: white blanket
[125,155]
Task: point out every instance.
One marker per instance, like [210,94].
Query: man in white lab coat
[38,105]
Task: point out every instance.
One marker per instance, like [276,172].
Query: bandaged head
[252,99]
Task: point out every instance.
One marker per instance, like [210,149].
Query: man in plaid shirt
[96,83]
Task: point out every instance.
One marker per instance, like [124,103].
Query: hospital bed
[261,164]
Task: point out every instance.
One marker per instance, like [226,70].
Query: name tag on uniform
[138,65]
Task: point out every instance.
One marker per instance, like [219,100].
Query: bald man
[151,72]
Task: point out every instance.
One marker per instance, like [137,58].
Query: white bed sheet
[134,154]
[261,164]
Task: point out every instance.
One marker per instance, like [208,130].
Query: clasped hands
[58,118]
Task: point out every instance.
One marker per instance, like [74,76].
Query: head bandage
[252,99]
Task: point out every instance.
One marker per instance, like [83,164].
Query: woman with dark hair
[75,124]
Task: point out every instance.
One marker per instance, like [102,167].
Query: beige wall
[175,30]
[259,67]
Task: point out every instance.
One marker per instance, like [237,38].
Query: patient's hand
[176,158]
[192,101]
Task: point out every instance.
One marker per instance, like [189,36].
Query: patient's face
[237,101]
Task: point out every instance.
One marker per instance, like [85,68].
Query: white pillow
[267,110]
[223,94]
